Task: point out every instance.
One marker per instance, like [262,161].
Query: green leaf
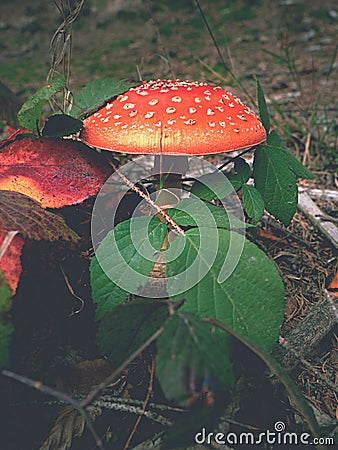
[191,356]
[30,112]
[22,213]
[219,185]
[263,109]
[276,144]
[119,268]
[240,173]
[253,202]
[276,183]
[294,392]
[212,186]
[6,329]
[242,169]
[124,329]
[250,300]
[96,93]
[60,125]
[195,212]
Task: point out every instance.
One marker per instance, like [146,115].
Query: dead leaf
[10,263]
[266,233]
[333,286]
[55,172]
[69,424]
[25,215]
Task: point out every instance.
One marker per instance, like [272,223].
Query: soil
[290,45]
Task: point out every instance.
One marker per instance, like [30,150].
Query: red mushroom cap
[174,117]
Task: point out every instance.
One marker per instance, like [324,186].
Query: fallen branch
[322,194]
[318,218]
[307,334]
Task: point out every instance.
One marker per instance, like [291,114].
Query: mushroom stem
[169,169]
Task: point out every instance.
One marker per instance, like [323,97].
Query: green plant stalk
[277,369]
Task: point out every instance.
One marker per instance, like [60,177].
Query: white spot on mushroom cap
[149,114]
[124,98]
[242,117]
[117,116]
[190,122]
[170,110]
[176,99]
[153,101]
[129,106]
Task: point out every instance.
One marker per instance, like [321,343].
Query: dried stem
[145,403]
[282,375]
[100,387]
[146,197]
[165,55]
[219,52]
[61,45]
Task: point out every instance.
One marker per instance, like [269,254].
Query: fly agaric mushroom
[173,117]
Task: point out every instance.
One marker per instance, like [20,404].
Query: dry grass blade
[61,45]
